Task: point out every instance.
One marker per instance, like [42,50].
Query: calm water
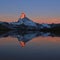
[29,46]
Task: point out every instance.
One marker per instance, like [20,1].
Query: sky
[41,11]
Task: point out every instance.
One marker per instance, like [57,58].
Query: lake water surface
[29,46]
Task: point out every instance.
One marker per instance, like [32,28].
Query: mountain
[27,22]
[24,23]
[4,26]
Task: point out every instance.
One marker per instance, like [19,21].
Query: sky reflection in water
[29,45]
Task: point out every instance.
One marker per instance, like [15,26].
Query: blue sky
[32,7]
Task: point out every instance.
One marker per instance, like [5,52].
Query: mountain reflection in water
[25,36]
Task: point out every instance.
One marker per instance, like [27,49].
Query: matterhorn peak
[23,15]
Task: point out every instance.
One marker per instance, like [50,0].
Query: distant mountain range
[25,23]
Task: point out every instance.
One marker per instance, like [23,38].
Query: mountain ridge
[24,23]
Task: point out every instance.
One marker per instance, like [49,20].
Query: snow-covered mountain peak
[23,15]
[26,21]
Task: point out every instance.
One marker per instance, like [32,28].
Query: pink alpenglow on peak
[22,15]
